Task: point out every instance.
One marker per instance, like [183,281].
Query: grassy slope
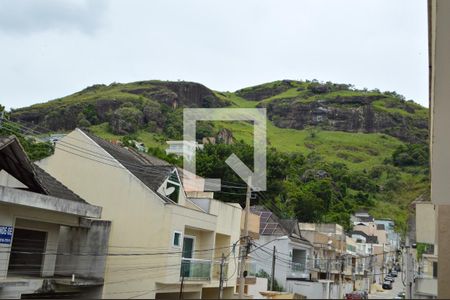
[359,151]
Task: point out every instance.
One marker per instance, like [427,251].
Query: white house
[292,251]
[183,147]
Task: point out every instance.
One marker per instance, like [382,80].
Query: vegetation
[36,150]
[276,286]
[315,172]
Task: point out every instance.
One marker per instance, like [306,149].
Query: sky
[52,48]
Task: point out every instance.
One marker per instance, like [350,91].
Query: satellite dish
[169,190]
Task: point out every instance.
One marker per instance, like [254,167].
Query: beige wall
[141,222]
[34,219]
[439,55]
[425,223]
[253,224]
[443,251]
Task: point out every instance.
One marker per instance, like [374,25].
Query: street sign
[6,233]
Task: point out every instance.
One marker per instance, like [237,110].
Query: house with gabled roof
[292,251]
[53,243]
[173,242]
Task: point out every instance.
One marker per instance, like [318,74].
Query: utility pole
[222,262]
[274,257]
[409,271]
[180,296]
[383,266]
[245,246]
[341,275]
[371,272]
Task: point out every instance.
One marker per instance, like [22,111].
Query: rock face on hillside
[261,92]
[352,114]
[154,106]
[177,94]
[126,107]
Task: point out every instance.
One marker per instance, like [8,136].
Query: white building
[180,148]
[292,251]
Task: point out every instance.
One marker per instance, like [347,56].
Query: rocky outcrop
[352,114]
[64,113]
[176,94]
[264,91]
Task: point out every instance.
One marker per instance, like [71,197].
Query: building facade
[175,242]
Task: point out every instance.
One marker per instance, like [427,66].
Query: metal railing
[298,267]
[195,269]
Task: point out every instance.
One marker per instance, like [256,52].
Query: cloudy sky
[52,48]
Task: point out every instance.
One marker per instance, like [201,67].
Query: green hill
[367,131]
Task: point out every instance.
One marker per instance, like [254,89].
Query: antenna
[169,190]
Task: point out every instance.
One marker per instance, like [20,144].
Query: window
[175,183]
[435,269]
[176,242]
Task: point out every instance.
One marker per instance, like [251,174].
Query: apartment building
[329,245]
[174,240]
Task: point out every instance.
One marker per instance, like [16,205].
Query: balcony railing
[298,267]
[195,269]
[216,270]
[298,270]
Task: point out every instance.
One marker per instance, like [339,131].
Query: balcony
[216,270]
[298,270]
[195,269]
[426,286]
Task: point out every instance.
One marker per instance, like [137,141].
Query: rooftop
[16,163]
[150,170]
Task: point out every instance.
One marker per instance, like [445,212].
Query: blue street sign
[6,233]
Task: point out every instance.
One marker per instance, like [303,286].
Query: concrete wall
[439,45]
[443,228]
[259,286]
[318,290]
[34,219]
[91,243]
[425,223]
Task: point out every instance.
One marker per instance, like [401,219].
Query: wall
[443,222]
[92,241]
[317,290]
[439,45]
[32,218]
[259,286]
[425,223]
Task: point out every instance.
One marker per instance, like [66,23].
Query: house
[174,242]
[393,238]
[283,236]
[180,148]
[329,245]
[53,243]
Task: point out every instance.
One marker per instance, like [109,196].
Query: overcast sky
[52,48]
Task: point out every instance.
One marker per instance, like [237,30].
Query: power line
[136,167]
